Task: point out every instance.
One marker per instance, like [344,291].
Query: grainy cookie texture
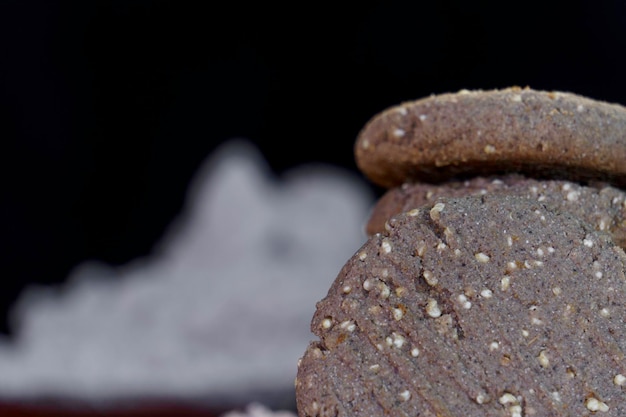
[493,282]
[599,204]
[492,305]
[552,134]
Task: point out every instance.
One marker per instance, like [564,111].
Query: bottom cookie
[490,305]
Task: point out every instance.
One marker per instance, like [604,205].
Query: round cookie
[601,205]
[475,306]
[548,134]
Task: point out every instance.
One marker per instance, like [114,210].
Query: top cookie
[547,134]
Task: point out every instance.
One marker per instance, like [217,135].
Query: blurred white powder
[222,306]
[258,410]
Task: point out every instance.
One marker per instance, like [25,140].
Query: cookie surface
[476,306]
[548,134]
[600,205]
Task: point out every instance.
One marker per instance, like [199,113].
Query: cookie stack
[493,281]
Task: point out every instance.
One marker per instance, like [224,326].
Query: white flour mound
[258,410]
[222,305]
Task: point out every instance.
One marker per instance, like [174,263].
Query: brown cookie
[602,206]
[475,306]
[548,134]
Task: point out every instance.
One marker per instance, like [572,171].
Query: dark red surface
[157,410]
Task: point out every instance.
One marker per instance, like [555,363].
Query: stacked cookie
[493,280]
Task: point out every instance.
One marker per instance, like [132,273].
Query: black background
[107,108]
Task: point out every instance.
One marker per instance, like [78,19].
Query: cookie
[601,205]
[492,305]
[544,134]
